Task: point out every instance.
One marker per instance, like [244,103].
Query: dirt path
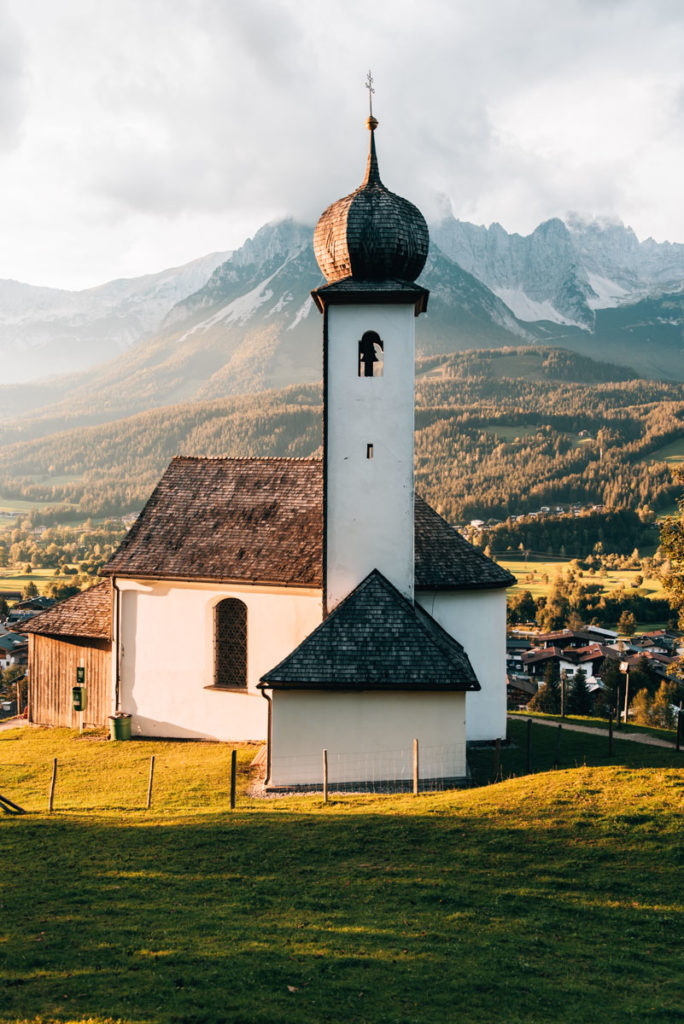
[618,734]
[14,723]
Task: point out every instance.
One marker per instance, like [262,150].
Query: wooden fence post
[233,774]
[325,776]
[149,788]
[415,768]
[529,745]
[558,743]
[52,784]
[497,758]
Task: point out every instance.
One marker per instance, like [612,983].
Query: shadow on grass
[355,917]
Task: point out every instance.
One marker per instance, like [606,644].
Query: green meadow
[554,896]
[540,577]
[672,453]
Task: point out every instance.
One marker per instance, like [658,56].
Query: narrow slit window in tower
[369,451]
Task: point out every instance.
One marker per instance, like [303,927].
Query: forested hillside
[497,433]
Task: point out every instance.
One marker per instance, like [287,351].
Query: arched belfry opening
[230,644]
[371,355]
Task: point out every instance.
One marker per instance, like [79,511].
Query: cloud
[13,81]
[192,120]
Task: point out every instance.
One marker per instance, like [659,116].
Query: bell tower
[371,246]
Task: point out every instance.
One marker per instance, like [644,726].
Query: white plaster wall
[369,501]
[369,736]
[477,619]
[167,655]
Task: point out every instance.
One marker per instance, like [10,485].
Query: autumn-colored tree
[627,623]
[672,544]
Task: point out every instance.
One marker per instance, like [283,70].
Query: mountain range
[235,323]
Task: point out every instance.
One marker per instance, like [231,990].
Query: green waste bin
[120,726]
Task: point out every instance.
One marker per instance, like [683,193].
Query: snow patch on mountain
[608,293]
[237,312]
[284,300]
[527,309]
[302,313]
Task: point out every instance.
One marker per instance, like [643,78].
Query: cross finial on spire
[371,90]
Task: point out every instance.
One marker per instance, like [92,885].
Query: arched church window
[371,355]
[230,644]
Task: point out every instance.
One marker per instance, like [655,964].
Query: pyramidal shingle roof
[375,640]
[261,521]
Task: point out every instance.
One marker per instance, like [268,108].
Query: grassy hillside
[550,897]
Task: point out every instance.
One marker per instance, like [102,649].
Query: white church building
[320,603]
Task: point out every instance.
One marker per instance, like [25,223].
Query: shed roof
[261,521]
[88,615]
[375,640]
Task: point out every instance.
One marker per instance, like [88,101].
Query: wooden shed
[76,632]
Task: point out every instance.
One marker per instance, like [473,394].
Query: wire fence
[374,771]
[531,746]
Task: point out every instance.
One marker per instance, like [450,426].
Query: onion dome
[372,234]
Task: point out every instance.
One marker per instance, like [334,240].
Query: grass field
[530,576]
[669,735]
[551,897]
[15,505]
[16,579]
[672,453]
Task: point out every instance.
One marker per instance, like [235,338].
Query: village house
[13,650]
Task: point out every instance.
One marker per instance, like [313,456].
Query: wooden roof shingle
[375,640]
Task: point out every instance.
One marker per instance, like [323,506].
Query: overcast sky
[139,134]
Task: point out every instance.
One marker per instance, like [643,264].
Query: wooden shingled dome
[371,235]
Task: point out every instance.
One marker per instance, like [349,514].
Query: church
[320,603]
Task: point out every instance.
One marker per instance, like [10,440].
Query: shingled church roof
[445,560]
[261,521]
[87,615]
[243,520]
[375,640]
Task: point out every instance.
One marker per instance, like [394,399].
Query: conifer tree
[579,698]
[610,677]
[547,697]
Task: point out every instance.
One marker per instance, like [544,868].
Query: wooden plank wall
[52,672]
